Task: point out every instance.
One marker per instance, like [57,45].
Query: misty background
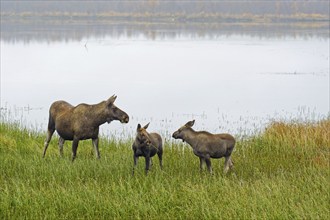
[231,65]
[75,20]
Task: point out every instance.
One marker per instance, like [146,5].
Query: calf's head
[113,112]
[142,140]
[142,136]
[181,132]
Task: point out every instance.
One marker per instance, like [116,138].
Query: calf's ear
[111,100]
[146,126]
[138,127]
[190,123]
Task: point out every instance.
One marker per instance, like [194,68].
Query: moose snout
[125,119]
[175,135]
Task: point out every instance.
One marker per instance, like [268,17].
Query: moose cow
[147,145]
[81,122]
[206,145]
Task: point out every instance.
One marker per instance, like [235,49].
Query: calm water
[232,83]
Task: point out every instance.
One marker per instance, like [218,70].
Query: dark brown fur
[206,145]
[147,145]
[81,122]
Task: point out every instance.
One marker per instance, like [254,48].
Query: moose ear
[111,100]
[146,126]
[138,127]
[190,123]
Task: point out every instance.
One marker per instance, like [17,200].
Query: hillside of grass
[281,173]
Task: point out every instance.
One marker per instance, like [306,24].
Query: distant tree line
[150,8]
[49,20]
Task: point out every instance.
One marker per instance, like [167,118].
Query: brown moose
[81,122]
[206,145]
[147,145]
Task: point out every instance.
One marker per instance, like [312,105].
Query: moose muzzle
[125,119]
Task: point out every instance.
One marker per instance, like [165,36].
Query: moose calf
[206,145]
[147,145]
[81,122]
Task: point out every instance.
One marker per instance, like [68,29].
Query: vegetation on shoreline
[67,20]
[155,11]
[281,173]
[167,17]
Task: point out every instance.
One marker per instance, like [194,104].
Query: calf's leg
[160,157]
[135,158]
[201,163]
[231,164]
[208,164]
[147,163]
[207,160]
[228,164]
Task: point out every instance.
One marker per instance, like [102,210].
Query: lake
[233,83]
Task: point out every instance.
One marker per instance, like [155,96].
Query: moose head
[181,132]
[112,112]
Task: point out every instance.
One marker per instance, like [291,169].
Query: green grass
[282,173]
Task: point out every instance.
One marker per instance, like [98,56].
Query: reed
[280,173]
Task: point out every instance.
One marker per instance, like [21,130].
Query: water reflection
[228,79]
[63,31]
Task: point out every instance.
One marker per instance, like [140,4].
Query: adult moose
[147,145]
[206,145]
[81,122]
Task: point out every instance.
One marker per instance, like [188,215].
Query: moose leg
[50,133]
[75,143]
[208,164]
[231,164]
[228,164]
[160,157]
[147,163]
[96,147]
[135,158]
[60,145]
[201,163]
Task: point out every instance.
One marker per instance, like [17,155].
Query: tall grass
[282,173]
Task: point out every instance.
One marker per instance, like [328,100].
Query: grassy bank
[170,17]
[281,173]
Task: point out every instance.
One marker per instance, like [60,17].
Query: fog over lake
[227,82]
